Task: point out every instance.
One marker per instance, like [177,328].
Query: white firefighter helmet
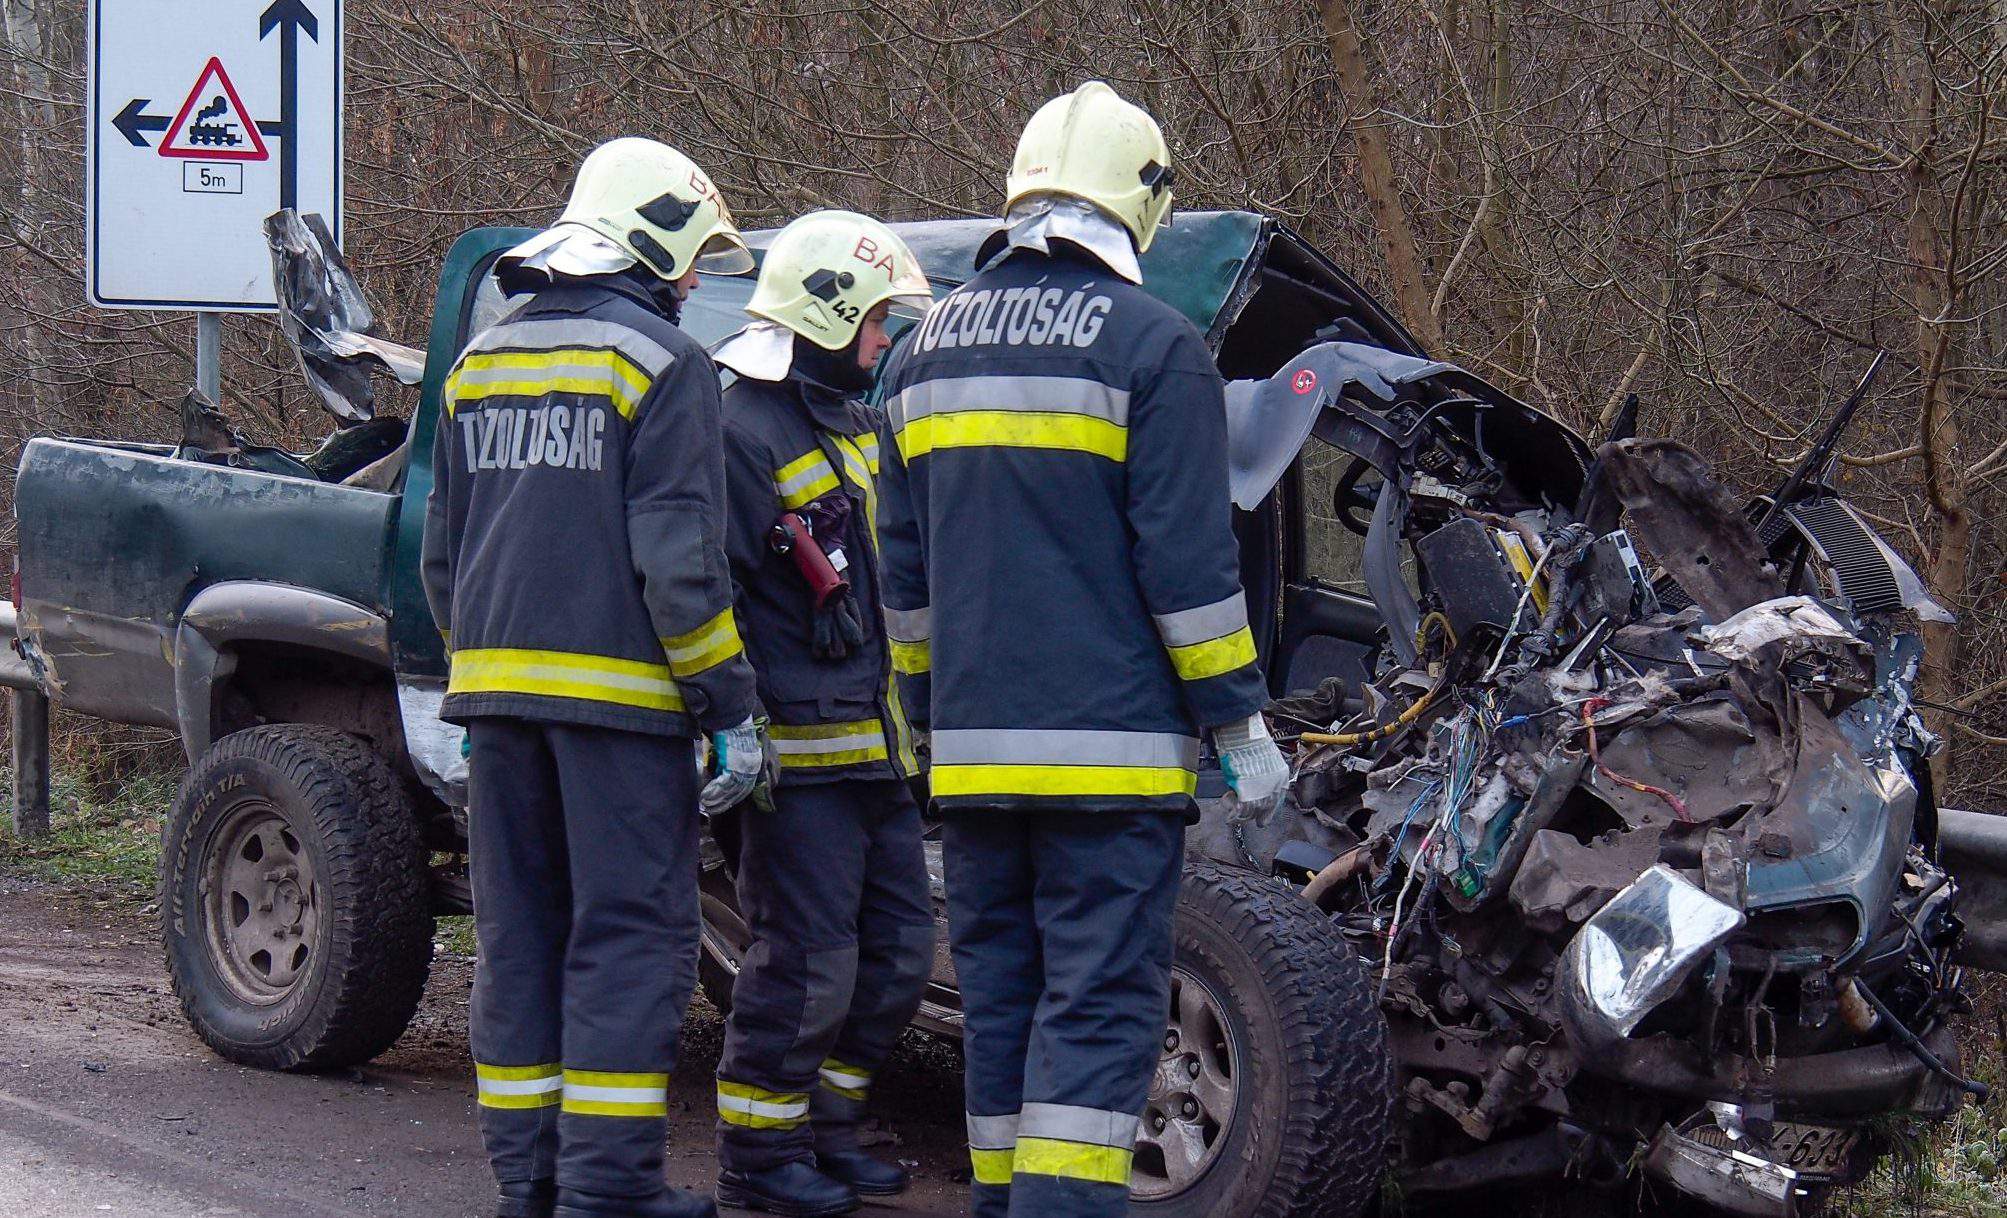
[653,205]
[1090,144]
[826,270]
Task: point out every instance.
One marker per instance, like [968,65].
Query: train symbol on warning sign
[213,123]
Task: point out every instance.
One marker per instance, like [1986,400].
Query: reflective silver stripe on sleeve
[910,625]
[1037,746]
[1067,1123]
[1217,620]
[992,1132]
[1039,394]
[549,334]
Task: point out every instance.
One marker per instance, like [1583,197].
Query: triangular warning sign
[213,124]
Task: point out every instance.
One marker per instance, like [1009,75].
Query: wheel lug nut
[1192,1067]
[1191,1109]
[1170,1042]
[1157,1123]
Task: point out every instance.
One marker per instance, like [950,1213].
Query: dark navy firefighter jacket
[574,540]
[792,446]
[1061,579]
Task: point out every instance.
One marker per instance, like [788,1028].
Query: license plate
[1813,1150]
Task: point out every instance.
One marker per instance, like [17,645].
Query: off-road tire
[372,936]
[1313,1116]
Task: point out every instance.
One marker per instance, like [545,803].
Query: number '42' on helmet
[1090,144]
[828,269]
[654,203]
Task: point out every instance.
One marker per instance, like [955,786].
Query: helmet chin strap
[837,371]
[661,291]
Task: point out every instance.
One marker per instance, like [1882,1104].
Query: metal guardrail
[30,705]
[1974,848]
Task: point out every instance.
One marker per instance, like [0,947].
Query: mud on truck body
[1588,875]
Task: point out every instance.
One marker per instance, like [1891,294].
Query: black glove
[839,629]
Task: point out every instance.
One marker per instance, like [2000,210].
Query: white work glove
[1255,770]
[742,764]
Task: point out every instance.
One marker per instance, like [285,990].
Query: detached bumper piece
[1730,1179]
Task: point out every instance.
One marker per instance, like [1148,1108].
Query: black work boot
[793,1190]
[669,1203]
[525,1199]
[866,1175]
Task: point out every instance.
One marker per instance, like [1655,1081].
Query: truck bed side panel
[114,543]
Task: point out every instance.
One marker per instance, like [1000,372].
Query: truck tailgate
[115,541]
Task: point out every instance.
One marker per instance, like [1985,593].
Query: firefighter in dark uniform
[1062,586]
[831,876]
[574,556]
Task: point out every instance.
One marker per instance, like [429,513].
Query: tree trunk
[1376,175]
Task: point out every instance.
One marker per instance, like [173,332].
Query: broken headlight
[1637,950]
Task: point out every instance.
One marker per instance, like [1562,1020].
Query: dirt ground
[110,1105]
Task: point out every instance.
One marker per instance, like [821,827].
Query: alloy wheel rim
[1193,1094]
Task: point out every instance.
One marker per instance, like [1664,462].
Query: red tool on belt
[793,537]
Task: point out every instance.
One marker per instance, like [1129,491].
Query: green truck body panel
[117,539]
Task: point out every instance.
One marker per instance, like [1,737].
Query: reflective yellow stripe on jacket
[1208,640]
[1030,761]
[804,479]
[828,744]
[704,648]
[534,374]
[1051,412]
[564,674]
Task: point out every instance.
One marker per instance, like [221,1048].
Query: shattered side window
[489,307]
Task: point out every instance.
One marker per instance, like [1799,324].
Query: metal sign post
[209,355]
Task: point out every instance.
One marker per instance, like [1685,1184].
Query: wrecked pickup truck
[1589,873]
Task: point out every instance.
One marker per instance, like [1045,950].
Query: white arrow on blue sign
[205,117]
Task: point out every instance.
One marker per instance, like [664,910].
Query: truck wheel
[294,902]
[1273,1096]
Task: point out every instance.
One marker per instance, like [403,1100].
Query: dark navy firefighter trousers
[833,886]
[1060,923]
[583,844]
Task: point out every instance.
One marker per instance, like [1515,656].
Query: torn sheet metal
[1705,751]
[433,744]
[1798,621]
[327,319]
[1690,524]
[1561,881]
[1269,420]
